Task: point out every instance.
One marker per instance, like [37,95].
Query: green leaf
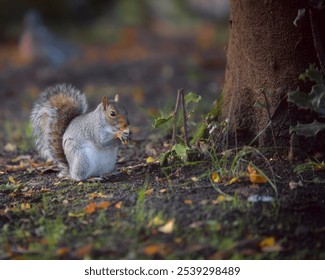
[314,101]
[308,130]
[180,150]
[192,97]
[301,99]
[163,157]
[161,120]
[313,74]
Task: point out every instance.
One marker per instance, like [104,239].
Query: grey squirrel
[82,144]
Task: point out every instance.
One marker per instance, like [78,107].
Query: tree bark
[266,54]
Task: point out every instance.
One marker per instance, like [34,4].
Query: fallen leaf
[148,191]
[269,244]
[62,251]
[257,178]
[188,201]
[232,181]
[168,227]
[163,190]
[97,195]
[194,179]
[103,204]
[90,208]
[150,160]
[45,190]
[254,176]
[25,206]
[11,180]
[215,177]
[163,249]
[153,249]
[219,199]
[118,205]
[83,251]
[269,241]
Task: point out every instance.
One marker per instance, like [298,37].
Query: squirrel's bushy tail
[51,114]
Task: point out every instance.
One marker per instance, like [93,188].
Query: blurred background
[145,50]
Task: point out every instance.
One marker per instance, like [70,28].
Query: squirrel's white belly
[100,161]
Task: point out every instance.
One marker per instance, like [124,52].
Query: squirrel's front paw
[124,136]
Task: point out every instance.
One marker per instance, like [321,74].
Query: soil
[145,210]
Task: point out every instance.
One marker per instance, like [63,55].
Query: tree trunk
[266,54]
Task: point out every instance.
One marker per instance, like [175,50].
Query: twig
[175,117]
[267,106]
[181,92]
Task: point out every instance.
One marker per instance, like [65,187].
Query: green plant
[314,101]
[180,146]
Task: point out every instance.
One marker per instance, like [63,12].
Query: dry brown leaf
[90,208]
[103,204]
[62,251]
[118,205]
[83,251]
[154,249]
[148,191]
[188,201]
[168,227]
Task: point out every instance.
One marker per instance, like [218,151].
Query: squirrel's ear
[104,103]
[116,98]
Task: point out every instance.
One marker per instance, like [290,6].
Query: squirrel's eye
[112,113]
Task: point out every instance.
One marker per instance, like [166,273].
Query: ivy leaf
[161,120]
[313,74]
[308,130]
[301,99]
[192,97]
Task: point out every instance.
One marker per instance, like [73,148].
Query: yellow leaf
[257,178]
[62,251]
[251,169]
[219,199]
[25,206]
[156,221]
[168,227]
[215,177]
[254,176]
[267,242]
[232,181]
[188,201]
[97,195]
[153,249]
[11,180]
[163,190]
[118,205]
[150,160]
[90,208]
[76,215]
[148,191]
